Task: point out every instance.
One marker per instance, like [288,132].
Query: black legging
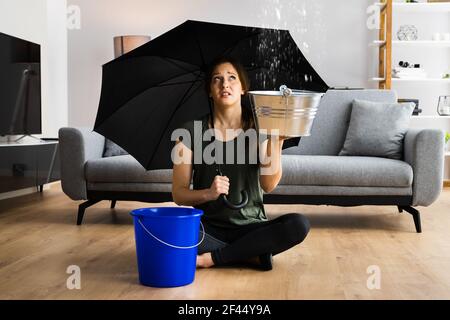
[252,240]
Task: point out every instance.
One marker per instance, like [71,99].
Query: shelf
[414,80]
[419,7]
[422,7]
[377,43]
[381,5]
[430,117]
[418,43]
[421,80]
[425,43]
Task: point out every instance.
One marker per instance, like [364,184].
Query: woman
[244,234]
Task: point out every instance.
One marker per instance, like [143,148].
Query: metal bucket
[291,112]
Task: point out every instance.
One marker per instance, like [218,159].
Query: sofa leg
[416,216]
[82,207]
[113,204]
[400,210]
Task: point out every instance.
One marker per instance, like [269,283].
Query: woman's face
[226,88]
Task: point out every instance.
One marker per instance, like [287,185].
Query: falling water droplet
[278,13]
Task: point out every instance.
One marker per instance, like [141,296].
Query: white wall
[55,114]
[332,35]
[43,22]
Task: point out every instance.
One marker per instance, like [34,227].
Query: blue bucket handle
[171,245]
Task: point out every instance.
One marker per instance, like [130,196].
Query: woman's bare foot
[205,260]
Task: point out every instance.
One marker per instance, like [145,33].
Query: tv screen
[20,86]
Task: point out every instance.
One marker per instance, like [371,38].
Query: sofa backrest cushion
[332,119]
[377,129]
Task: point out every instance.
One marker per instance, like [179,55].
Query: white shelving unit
[428,18]
[389,10]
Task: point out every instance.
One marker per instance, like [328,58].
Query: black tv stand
[26,164]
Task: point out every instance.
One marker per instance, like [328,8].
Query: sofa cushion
[377,129]
[345,171]
[333,115]
[123,169]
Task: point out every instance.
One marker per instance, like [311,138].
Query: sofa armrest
[424,151]
[76,146]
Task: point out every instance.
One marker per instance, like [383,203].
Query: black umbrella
[149,92]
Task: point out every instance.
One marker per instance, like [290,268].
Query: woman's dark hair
[247,115]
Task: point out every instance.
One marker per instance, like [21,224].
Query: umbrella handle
[236,206]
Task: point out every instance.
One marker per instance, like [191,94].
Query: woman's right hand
[220,185]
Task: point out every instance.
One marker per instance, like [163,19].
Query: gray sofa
[313,173]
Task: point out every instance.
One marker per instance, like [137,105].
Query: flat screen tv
[20,86]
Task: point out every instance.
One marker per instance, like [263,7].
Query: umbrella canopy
[149,92]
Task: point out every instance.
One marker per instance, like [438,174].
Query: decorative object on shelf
[124,44]
[406,70]
[406,64]
[447,138]
[416,110]
[436,36]
[443,108]
[446,76]
[407,32]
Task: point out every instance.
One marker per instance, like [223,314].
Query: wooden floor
[39,240]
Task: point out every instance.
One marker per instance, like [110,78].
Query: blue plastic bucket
[166,245]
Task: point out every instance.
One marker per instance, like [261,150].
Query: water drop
[277,11]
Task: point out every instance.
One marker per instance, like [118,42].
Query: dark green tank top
[243,175]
